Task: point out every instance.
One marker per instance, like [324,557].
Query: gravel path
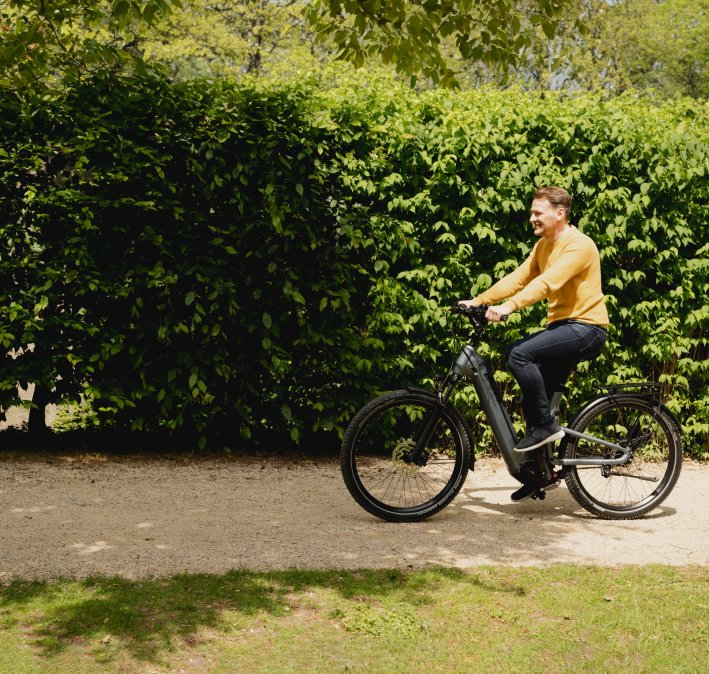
[137,517]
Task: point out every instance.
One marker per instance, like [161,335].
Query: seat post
[555,400]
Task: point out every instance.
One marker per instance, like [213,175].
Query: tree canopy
[246,37]
[643,44]
[657,45]
[413,35]
[48,38]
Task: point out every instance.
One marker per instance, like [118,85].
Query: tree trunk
[37,424]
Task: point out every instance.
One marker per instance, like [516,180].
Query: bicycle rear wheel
[389,466]
[631,490]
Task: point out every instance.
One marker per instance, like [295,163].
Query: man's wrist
[506,308]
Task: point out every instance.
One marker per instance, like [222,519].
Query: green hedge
[251,262]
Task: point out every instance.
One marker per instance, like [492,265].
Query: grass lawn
[560,618]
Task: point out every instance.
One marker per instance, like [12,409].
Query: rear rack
[643,388]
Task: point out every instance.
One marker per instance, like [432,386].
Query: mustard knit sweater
[567,273]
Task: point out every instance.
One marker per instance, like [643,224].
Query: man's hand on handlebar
[499,312]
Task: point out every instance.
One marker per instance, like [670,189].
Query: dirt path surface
[137,517]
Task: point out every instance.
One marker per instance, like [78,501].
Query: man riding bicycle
[564,268]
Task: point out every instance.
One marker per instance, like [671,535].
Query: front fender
[420,389]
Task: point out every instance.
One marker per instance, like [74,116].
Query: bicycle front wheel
[405,456]
[633,489]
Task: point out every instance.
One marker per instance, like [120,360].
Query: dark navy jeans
[542,362]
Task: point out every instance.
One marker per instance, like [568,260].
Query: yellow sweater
[567,273]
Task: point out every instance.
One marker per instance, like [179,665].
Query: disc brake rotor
[398,457]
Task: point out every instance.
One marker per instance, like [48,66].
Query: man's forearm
[507,285]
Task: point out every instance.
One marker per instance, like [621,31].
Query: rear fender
[622,397]
[615,397]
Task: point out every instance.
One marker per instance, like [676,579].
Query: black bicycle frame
[473,366]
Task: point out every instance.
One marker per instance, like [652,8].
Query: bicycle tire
[634,489]
[374,465]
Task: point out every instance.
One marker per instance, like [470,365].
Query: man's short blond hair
[557,196]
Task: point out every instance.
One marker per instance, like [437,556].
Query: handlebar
[474,314]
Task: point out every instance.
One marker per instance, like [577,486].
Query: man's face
[545,217]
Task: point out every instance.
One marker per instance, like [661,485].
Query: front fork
[419,454]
